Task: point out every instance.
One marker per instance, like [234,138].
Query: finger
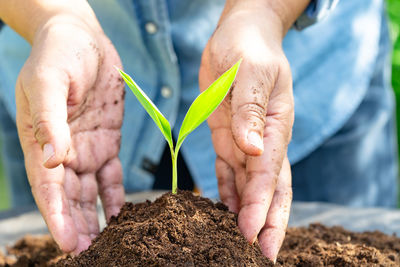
[110,187]
[226,185]
[46,90]
[47,184]
[256,196]
[88,202]
[228,165]
[263,171]
[73,192]
[262,175]
[53,205]
[240,179]
[249,105]
[272,235]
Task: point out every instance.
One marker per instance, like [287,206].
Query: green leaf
[198,112]
[206,103]
[149,106]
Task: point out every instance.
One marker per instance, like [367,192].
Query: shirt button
[166,92]
[151,27]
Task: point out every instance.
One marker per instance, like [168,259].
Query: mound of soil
[175,230]
[187,230]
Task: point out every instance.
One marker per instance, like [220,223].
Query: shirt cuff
[316,11]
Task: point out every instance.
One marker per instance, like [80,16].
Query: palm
[93,158]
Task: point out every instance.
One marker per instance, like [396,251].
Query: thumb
[46,92]
[249,107]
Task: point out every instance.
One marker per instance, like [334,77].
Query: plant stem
[174,157]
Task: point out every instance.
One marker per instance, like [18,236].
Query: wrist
[283,12]
[28,17]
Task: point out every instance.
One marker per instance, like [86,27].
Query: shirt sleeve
[316,11]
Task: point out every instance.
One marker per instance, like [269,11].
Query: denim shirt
[160,43]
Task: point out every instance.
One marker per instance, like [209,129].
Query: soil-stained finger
[226,185]
[53,204]
[88,202]
[250,95]
[46,91]
[47,184]
[262,175]
[273,232]
[72,187]
[111,190]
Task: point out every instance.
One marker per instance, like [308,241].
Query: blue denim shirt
[160,43]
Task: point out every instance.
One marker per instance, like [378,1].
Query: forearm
[284,12]
[26,17]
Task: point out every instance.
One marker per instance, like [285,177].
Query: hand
[69,113]
[252,127]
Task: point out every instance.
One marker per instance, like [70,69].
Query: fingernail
[48,152]
[255,139]
[272,254]
[254,239]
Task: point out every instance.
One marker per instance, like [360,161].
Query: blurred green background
[393,7]
[394,25]
[394,15]
[4,198]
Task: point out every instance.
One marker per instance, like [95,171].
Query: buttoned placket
[153,16]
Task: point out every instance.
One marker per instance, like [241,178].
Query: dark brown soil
[32,251]
[186,230]
[319,245]
[175,230]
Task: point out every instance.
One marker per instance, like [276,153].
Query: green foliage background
[394,15]
[4,197]
[393,7]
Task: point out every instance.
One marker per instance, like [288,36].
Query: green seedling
[199,111]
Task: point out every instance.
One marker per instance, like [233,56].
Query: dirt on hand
[187,230]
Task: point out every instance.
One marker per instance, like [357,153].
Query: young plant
[199,111]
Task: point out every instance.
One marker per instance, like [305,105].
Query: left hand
[252,127]
[69,102]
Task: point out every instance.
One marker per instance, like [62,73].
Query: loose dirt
[187,230]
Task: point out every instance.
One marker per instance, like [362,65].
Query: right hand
[69,114]
[252,128]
